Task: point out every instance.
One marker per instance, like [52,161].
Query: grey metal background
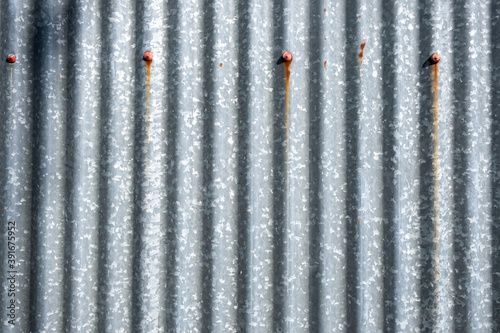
[197,229]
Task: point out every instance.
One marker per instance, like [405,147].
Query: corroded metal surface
[199,190]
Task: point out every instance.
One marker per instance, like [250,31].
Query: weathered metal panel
[175,196]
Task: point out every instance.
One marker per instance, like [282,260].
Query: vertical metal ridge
[481,291]
[263,272]
[316,92]
[403,138]
[140,297]
[149,174]
[334,314]
[225,183]
[461,160]
[280,10]
[391,164]
[49,186]
[244,178]
[116,182]
[190,169]
[151,103]
[208,209]
[16,177]
[104,148]
[428,303]
[172,125]
[352,92]
[297,182]
[494,45]
[82,165]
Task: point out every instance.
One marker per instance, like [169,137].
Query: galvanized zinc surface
[194,193]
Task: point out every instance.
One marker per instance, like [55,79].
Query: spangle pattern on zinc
[209,191]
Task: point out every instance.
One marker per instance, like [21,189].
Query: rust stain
[435,164]
[324,65]
[324,10]
[435,155]
[287,59]
[362,48]
[287,88]
[148,82]
[359,220]
[435,97]
[220,65]
[435,108]
[325,38]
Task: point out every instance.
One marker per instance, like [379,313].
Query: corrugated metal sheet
[178,206]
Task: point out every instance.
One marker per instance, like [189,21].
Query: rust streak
[324,65]
[148,81]
[220,65]
[435,165]
[287,88]
[435,107]
[286,59]
[360,55]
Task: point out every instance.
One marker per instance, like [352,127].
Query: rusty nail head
[435,57]
[11,58]
[148,56]
[287,56]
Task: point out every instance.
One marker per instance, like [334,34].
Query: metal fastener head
[287,56]
[11,58]
[435,57]
[148,56]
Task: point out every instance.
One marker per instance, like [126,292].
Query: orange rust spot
[324,65]
[360,55]
[324,10]
[325,38]
[359,219]
[359,16]
[220,65]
